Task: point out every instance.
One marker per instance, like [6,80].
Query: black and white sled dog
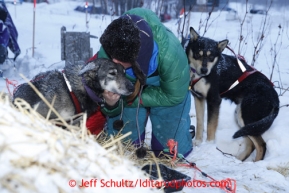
[215,76]
[78,87]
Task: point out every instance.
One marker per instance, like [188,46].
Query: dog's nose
[204,70]
[130,86]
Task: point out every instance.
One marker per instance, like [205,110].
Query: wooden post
[62,41]
[75,46]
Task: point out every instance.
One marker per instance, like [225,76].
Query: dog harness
[244,70]
[239,80]
[194,81]
[74,98]
[192,84]
[96,121]
[242,77]
[89,91]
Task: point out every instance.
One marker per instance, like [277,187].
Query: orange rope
[10,82]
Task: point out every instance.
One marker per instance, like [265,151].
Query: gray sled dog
[215,76]
[79,83]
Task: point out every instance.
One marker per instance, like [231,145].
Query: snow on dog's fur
[97,76]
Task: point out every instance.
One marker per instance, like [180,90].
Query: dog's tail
[259,127]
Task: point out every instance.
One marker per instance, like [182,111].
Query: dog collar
[193,70]
[194,81]
[92,94]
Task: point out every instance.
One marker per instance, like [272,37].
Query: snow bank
[37,156]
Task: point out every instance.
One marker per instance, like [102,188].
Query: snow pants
[167,123]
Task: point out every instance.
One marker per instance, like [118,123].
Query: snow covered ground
[269,175]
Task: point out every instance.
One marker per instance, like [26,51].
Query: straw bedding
[37,156]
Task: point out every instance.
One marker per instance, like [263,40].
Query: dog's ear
[193,34]
[222,45]
[88,67]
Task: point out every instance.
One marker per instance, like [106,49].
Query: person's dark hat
[129,39]
[121,40]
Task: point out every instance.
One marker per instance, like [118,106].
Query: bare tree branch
[259,45]
[275,51]
[225,154]
[241,37]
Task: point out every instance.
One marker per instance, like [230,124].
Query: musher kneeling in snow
[154,56]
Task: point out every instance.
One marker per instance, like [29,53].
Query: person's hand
[110,97]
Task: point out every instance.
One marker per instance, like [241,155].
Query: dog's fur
[99,75]
[256,99]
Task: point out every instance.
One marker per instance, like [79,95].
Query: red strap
[11,82]
[237,56]
[92,58]
[74,98]
[193,82]
[76,103]
[246,74]
[243,77]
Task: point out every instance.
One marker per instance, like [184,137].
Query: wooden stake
[15,8]
[86,7]
[34,8]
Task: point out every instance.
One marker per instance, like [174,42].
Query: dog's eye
[112,73]
[197,55]
[211,58]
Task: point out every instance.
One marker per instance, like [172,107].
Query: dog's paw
[210,141]
[197,142]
